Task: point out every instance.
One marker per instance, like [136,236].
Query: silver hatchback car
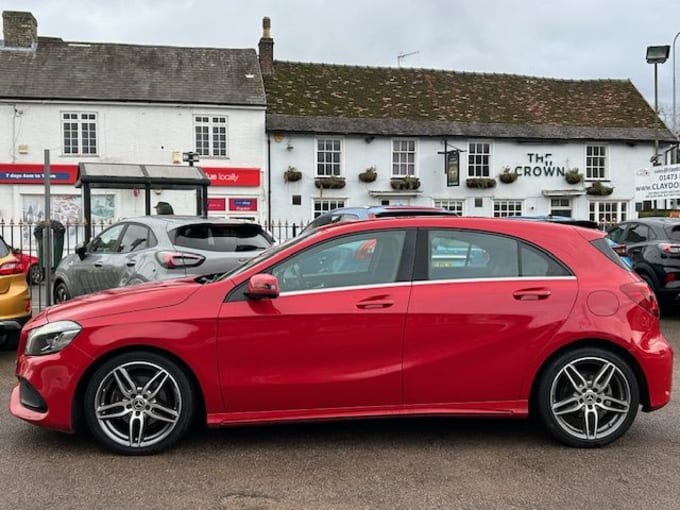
[151,248]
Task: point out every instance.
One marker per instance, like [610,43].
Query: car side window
[360,259]
[455,254]
[616,233]
[637,234]
[135,238]
[107,241]
[534,262]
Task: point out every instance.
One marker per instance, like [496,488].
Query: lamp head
[657,54]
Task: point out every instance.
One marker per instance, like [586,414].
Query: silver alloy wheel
[138,404]
[590,398]
[34,274]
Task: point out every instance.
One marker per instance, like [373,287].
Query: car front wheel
[61,293]
[588,397]
[138,403]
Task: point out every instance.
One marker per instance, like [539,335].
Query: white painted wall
[139,133]
[358,154]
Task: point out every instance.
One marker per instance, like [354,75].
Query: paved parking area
[395,464]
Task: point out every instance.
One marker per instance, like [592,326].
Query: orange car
[15,299]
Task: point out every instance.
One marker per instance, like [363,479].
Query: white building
[455,132]
[118,103]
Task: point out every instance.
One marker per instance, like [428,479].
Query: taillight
[640,294]
[11,267]
[178,259]
[669,249]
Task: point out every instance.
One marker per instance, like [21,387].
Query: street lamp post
[675,119]
[657,55]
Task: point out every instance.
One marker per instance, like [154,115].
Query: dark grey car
[151,248]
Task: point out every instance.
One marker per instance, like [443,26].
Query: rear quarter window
[222,238]
[605,248]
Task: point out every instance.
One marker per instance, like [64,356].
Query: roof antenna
[402,56]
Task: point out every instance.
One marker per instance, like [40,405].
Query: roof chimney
[20,29]
[266,47]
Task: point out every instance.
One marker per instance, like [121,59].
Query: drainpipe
[269,181]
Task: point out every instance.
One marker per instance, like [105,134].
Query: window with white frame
[455,206]
[596,162]
[608,212]
[211,135]
[479,159]
[504,208]
[324,205]
[403,157]
[80,133]
[328,156]
[560,207]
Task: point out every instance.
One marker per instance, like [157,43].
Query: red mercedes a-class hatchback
[390,317]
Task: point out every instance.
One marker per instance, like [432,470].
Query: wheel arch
[601,344]
[77,416]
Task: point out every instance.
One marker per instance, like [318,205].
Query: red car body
[416,346]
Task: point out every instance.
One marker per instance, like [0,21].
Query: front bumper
[52,381]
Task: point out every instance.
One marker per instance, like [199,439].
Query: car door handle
[98,264]
[531,294]
[131,263]
[377,303]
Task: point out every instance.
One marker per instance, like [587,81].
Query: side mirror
[263,286]
[81,251]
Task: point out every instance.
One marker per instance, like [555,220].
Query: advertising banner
[657,183]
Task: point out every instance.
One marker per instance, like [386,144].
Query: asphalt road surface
[390,464]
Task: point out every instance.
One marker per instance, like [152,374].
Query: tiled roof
[58,70]
[335,98]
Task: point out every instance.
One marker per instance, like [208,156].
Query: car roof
[171,221]
[662,220]
[564,220]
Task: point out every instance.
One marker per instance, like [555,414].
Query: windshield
[269,252]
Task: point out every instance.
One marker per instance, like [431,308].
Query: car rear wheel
[138,403]
[588,397]
[34,275]
[61,292]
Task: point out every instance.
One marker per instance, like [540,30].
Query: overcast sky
[575,39]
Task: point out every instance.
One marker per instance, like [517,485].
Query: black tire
[9,340]
[576,409]
[126,388]
[34,275]
[61,292]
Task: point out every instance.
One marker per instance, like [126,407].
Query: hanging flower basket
[330,182]
[292,174]
[405,183]
[599,189]
[573,176]
[480,182]
[508,176]
[368,175]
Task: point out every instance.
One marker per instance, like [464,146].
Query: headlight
[51,337]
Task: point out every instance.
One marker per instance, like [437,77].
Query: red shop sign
[217,204]
[23,173]
[249,177]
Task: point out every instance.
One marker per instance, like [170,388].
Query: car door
[332,339]
[135,261]
[97,270]
[637,239]
[480,303]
